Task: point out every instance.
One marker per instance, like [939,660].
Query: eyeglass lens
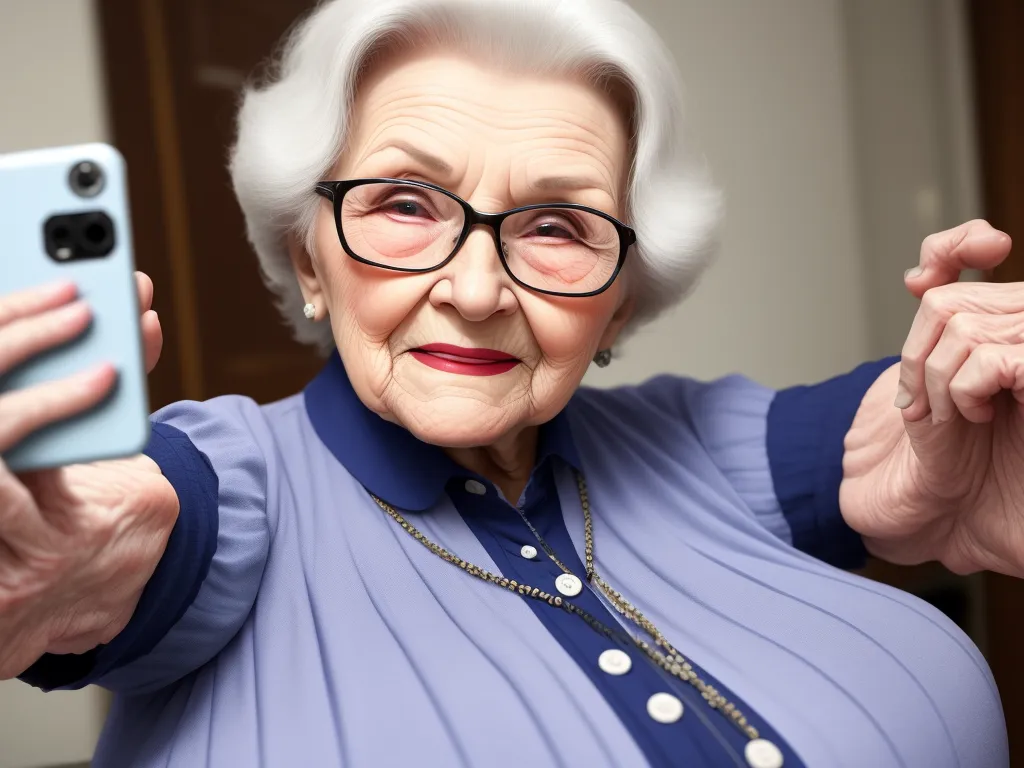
[410,227]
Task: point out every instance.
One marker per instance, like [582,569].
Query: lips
[465,361]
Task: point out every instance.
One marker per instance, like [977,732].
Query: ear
[305,273]
[617,323]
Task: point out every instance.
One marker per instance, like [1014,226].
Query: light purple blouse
[324,635]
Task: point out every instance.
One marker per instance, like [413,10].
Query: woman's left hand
[940,476]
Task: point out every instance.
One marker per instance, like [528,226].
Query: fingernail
[75,308]
[93,375]
[903,398]
[994,236]
[913,273]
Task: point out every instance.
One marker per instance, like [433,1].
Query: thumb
[973,245]
[152,339]
[940,450]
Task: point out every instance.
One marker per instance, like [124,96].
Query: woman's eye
[406,208]
[555,230]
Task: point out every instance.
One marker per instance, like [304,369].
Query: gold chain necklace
[661,653]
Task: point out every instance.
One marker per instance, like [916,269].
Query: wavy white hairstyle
[292,127]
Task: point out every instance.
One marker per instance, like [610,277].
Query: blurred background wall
[51,93]
[841,133]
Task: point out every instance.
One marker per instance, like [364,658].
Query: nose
[474,282]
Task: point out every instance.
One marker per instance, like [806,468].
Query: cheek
[365,303]
[568,330]
[370,301]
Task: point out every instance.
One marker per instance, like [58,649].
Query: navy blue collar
[387,459]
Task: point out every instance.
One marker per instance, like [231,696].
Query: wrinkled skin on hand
[934,461]
[77,544]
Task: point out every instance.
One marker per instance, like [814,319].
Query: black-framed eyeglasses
[561,249]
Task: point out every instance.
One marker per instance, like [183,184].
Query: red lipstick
[468,362]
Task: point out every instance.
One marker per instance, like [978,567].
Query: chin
[458,422]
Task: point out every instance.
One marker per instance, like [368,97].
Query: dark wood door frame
[997,29]
[141,106]
[174,73]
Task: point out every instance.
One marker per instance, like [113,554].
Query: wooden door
[174,70]
[997,28]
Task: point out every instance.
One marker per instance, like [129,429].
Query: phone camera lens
[86,179]
[97,233]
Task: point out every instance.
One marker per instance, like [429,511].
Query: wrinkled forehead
[442,115]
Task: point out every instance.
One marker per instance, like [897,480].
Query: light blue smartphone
[64,215]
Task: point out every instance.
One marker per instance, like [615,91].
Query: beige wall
[912,115]
[785,302]
[50,94]
[840,132]
[836,130]
[51,90]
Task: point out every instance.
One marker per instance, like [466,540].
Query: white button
[476,487]
[528,552]
[664,708]
[569,585]
[761,753]
[614,662]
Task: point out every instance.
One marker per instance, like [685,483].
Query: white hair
[292,128]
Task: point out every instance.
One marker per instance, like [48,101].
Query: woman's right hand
[77,544]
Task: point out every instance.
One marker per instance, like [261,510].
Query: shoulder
[228,447]
[209,419]
[230,424]
[666,405]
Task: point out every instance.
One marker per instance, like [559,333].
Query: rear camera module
[76,236]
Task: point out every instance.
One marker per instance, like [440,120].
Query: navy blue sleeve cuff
[176,581]
[806,430]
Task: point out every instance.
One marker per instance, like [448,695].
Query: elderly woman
[444,551]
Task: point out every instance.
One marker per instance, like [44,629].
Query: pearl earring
[309,311]
[603,358]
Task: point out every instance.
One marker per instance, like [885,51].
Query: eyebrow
[424,158]
[559,186]
[560,183]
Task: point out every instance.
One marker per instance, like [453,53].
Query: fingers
[31,322]
[152,339]
[937,309]
[152,333]
[989,369]
[144,286]
[24,304]
[30,335]
[24,411]
[963,334]
[973,245]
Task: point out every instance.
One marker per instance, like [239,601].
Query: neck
[507,463]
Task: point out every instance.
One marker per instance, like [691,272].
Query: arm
[77,545]
[807,430]
[915,459]
[782,453]
[207,580]
[127,573]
